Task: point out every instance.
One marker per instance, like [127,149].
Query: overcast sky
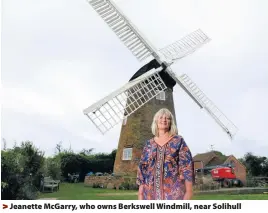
[59,57]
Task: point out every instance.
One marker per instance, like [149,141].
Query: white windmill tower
[139,91]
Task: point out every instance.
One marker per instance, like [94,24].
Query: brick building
[216,158]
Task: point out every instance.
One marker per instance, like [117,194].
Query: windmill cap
[168,80]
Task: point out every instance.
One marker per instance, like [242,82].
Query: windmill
[136,98]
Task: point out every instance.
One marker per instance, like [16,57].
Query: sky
[59,57]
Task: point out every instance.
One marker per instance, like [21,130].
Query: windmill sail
[122,27]
[111,110]
[204,102]
[185,46]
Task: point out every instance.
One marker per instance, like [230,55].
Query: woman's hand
[140,193]
[188,196]
[189,190]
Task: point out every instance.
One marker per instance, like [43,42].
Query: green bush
[52,168]
[82,164]
[20,172]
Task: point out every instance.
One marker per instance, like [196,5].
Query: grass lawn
[77,191]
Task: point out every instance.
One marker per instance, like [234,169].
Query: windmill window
[127,154]
[161,96]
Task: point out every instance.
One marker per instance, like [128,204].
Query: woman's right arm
[140,183]
[140,176]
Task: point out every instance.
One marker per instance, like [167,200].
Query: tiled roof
[210,158]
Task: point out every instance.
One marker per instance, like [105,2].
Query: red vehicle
[222,174]
[226,176]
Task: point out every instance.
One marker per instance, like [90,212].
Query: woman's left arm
[186,169]
[189,190]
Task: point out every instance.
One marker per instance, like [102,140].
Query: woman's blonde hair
[172,129]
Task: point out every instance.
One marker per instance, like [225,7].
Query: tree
[4,144]
[87,151]
[52,167]
[256,165]
[265,168]
[59,147]
[20,172]
[113,154]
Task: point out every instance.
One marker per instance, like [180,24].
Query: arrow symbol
[5,206]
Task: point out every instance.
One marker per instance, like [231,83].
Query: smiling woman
[165,171]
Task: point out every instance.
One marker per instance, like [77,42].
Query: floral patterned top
[160,169]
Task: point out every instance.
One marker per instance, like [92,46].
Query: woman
[165,171]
